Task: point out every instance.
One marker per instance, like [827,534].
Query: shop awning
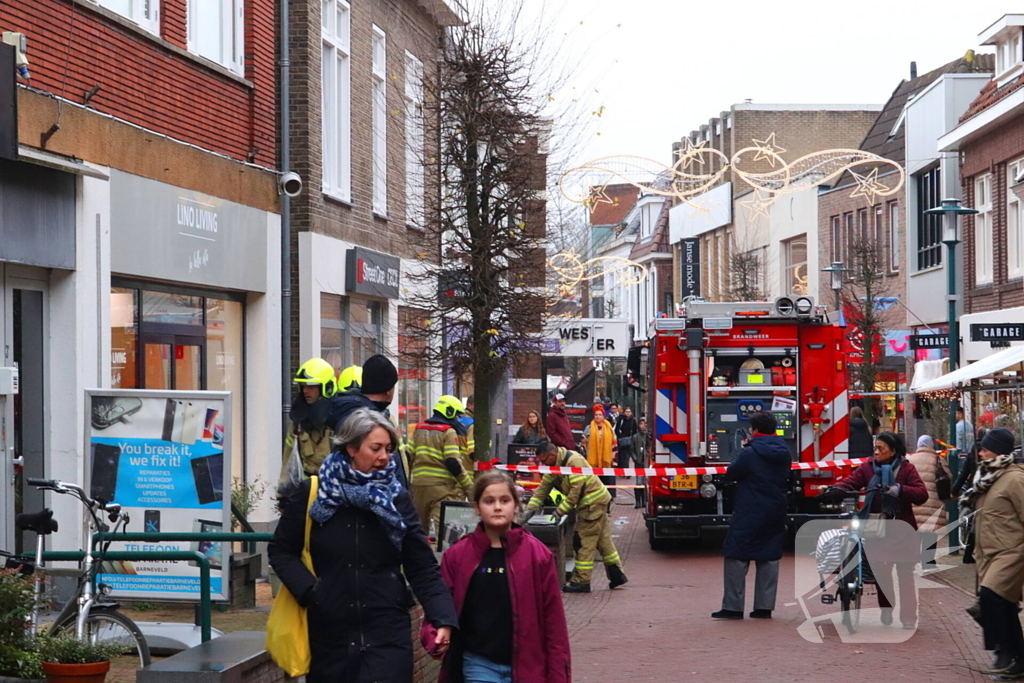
[997,362]
[926,371]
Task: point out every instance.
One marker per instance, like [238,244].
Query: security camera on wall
[290,184]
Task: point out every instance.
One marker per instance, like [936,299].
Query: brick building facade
[141,223]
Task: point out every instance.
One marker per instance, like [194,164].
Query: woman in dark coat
[366,542]
[900,547]
[761,473]
[860,436]
[532,432]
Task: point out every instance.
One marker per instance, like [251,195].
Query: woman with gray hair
[366,542]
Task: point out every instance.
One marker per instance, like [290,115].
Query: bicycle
[90,612]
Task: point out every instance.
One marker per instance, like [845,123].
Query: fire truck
[707,371]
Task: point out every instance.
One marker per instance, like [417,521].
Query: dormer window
[1006,37]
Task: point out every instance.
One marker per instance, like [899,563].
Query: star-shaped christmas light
[703,208]
[868,186]
[758,206]
[767,150]
[690,154]
[598,195]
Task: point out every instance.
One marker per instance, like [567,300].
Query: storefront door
[173,362]
[22,428]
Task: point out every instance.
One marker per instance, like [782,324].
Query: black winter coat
[861,443]
[359,626]
[761,472]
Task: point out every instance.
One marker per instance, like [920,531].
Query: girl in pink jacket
[507,593]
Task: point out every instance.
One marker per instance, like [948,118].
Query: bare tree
[746,269]
[483,306]
[860,296]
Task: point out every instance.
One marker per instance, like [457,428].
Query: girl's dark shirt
[486,619]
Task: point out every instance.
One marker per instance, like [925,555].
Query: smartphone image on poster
[169,411]
[208,473]
[179,421]
[105,460]
[209,424]
[190,423]
[151,521]
[211,549]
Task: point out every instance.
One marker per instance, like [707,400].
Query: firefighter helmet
[318,371]
[350,378]
[449,406]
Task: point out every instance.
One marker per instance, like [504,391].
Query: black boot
[616,577]
[1004,660]
[761,614]
[727,614]
[576,587]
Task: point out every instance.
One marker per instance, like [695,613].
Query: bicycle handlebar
[43,483]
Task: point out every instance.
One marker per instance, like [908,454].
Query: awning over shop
[997,362]
[926,371]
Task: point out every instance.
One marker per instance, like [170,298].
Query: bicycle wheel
[112,627]
[850,598]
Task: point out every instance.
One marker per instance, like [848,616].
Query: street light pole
[836,270]
[950,210]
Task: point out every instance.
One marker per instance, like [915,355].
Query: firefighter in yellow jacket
[441,470]
[586,494]
[310,431]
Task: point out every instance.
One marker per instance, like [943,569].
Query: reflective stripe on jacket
[581,490]
[432,445]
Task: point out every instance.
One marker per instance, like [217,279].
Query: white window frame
[336,122]
[893,209]
[136,12]
[1014,223]
[983,262]
[415,144]
[232,16]
[378,80]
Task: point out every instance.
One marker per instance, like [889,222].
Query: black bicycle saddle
[41,522]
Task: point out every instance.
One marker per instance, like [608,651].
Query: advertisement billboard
[165,456]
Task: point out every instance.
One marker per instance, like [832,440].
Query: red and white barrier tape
[656,471]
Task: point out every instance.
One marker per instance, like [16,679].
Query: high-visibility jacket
[314,447]
[581,490]
[432,445]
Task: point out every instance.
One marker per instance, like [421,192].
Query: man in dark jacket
[376,393]
[559,430]
[761,473]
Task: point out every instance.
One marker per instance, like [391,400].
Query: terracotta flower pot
[76,673]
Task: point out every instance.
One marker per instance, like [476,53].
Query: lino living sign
[586,337]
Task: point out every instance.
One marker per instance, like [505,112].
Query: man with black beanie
[376,393]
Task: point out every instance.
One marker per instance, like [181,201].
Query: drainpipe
[286,219]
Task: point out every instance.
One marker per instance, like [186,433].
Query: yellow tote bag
[287,626]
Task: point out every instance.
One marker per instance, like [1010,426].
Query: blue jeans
[477,669]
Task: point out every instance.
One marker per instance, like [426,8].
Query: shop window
[413,394]
[124,335]
[351,330]
[179,341]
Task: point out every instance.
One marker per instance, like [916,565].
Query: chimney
[913,70]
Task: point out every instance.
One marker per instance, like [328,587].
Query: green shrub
[19,663]
[16,600]
[66,649]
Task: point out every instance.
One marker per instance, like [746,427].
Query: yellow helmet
[449,406]
[318,371]
[350,378]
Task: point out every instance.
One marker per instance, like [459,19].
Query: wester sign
[587,337]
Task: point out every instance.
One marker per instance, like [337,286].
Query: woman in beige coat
[997,496]
[928,464]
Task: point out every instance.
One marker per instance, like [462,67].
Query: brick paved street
[658,627]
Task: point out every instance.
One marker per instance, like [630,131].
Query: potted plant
[18,659]
[65,659]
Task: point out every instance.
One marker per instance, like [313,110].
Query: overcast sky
[660,68]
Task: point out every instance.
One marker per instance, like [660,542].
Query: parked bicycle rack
[205,603]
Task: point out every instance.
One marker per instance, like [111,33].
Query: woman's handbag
[287,627]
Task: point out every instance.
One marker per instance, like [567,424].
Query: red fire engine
[713,366]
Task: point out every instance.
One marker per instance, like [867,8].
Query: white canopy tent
[1006,359]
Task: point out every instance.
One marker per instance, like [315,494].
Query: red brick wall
[145,82]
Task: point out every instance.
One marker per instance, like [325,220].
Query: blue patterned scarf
[341,485]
